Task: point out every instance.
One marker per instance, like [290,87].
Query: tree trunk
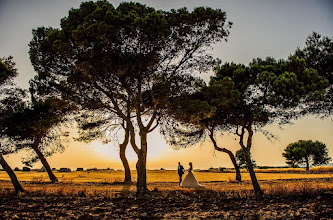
[233,160]
[17,186]
[122,153]
[247,155]
[46,165]
[253,176]
[141,166]
[231,155]
[307,163]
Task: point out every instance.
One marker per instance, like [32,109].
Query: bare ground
[176,204]
[283,199]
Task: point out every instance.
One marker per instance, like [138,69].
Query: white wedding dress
[190,180]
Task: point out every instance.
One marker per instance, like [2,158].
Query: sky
[260,28]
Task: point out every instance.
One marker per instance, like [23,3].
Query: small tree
[306,152]
[240,157]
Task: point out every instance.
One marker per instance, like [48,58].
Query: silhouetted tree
[318,54]
[270,92]
[39,125]
[127,59]
[11,99]
[201,115]
[306,152]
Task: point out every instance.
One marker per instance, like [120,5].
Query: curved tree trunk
[17,186]
[141,166]
[247,156]
[231,155]
[253,176]
[233,160]
[46,165]
[122,154]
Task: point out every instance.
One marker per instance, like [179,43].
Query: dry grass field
[111,181]
[231,188]
[102,195]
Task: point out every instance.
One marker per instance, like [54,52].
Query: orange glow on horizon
[203,156]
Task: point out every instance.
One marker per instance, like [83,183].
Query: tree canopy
[318,54]
[306,152]
[270,91]
[11,100]
[243,99]
[130,60]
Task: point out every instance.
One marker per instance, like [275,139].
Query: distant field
[160,176]
[111,181]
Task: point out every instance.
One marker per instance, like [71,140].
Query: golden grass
[109,183]
[230,189]
[153,176]
[296,170]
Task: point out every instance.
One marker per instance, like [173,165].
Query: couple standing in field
[189,180]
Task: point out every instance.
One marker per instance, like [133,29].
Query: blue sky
[260,28]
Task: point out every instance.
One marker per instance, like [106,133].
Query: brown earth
[177,204]
[308,198]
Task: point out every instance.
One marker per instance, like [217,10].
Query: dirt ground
[307,198]
[176,204]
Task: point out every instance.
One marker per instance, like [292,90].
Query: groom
[181,171]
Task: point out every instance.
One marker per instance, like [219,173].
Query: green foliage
[118,47]
[306,152]
[131,60]
[318,54]
[12,99]
[240,158]
[30,122]
[271,90]
[196,113]
[7,69]
[39,121]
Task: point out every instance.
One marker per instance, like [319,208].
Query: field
[101,194]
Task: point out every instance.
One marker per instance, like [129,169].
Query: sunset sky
[260,29]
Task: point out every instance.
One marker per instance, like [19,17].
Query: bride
[190,180]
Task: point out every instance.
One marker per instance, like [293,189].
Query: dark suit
[181,171]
